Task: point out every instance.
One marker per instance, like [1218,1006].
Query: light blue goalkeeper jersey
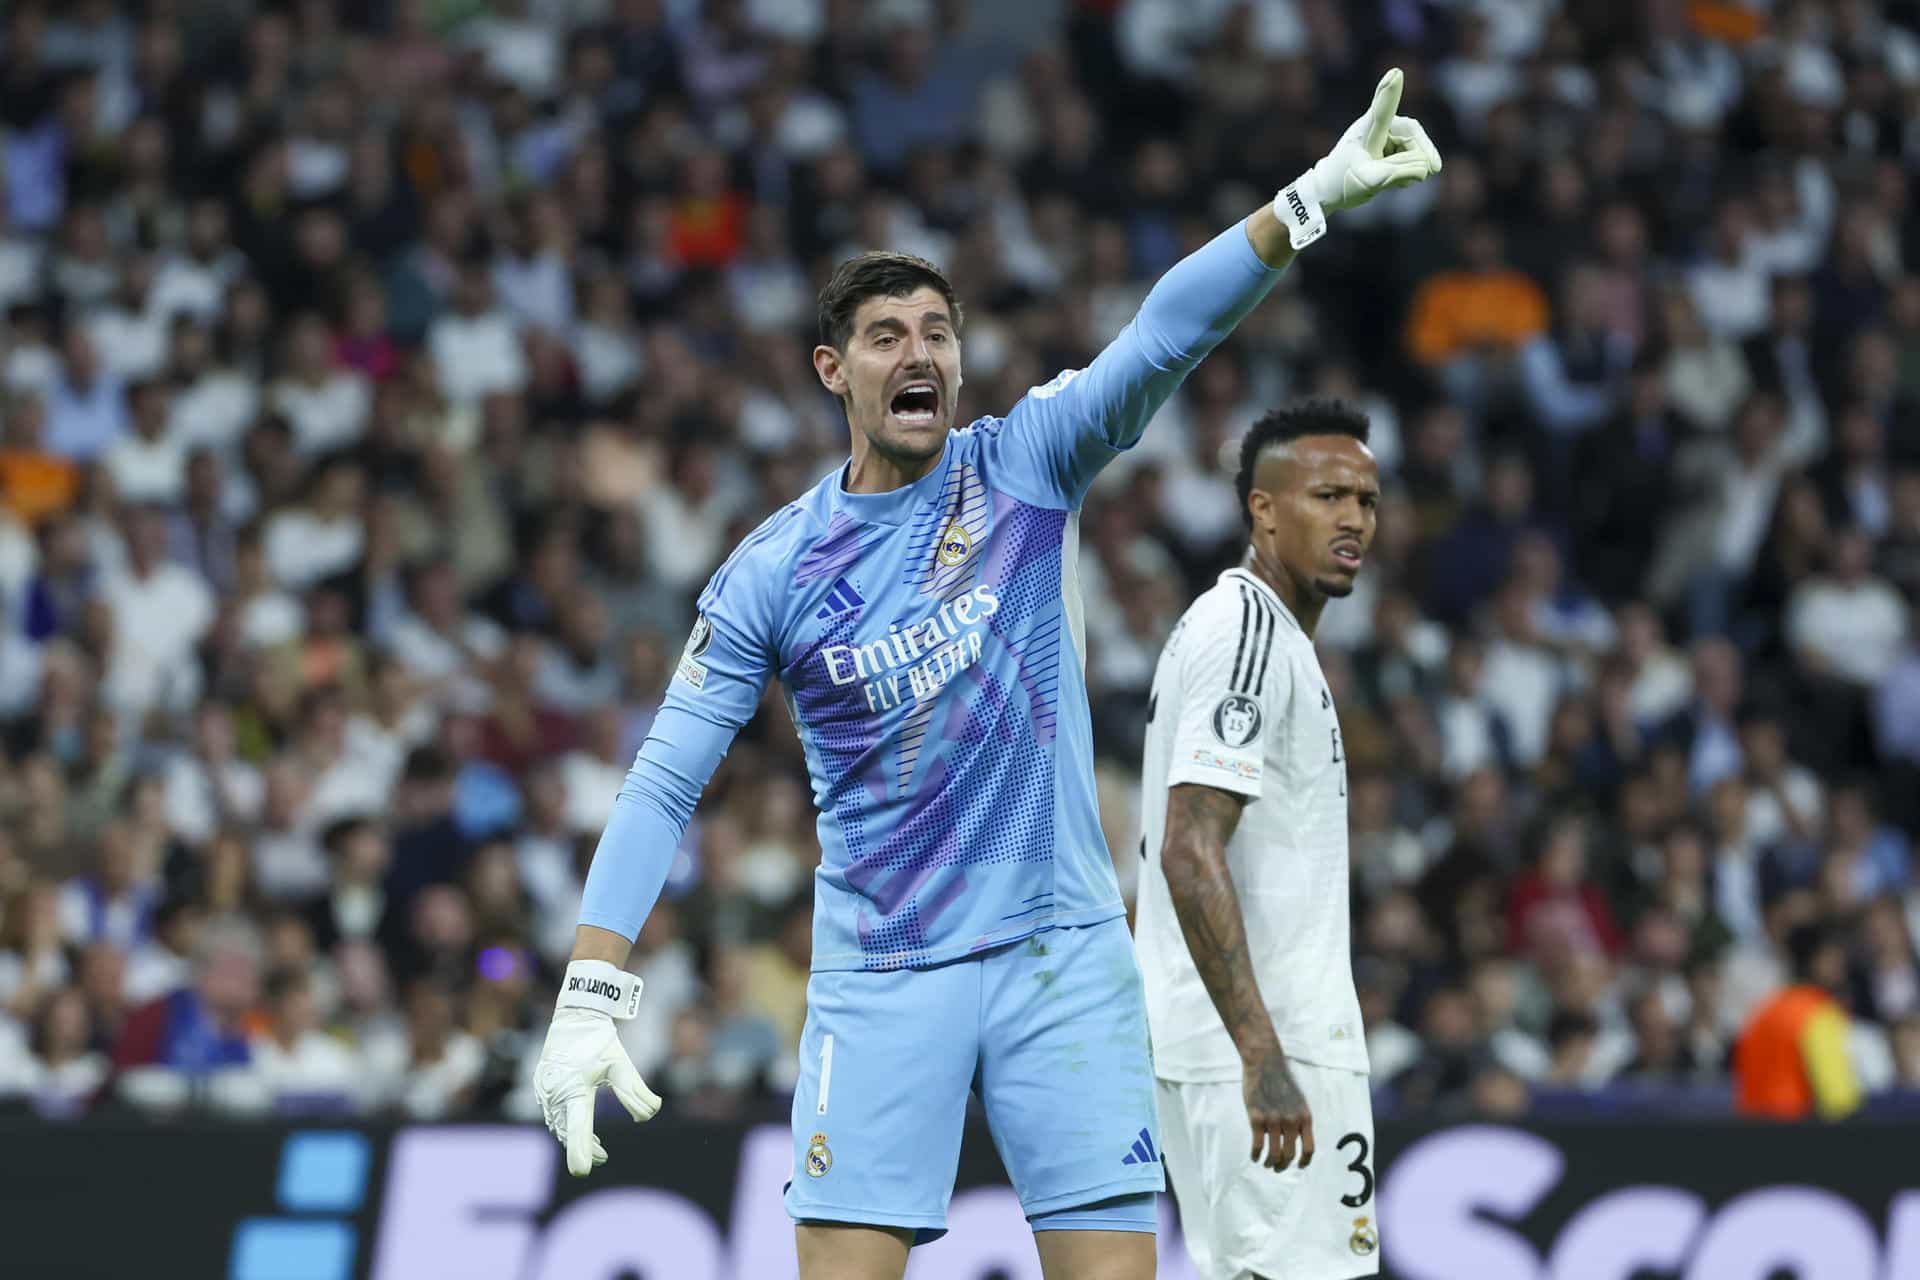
[929,641]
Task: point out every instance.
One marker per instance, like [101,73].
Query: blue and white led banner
[1625,1201]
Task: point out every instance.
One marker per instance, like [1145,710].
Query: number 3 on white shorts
[1358,1166]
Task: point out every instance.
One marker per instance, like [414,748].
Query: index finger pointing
[1386,101]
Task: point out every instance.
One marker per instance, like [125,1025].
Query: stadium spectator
[55,1068]
[1906,1048]
[1553,910]
[163,964]
[190,1035]
[35,962]
[1791,1060]
[298,1065]
[431,1069]
[1847,624]
[159,611]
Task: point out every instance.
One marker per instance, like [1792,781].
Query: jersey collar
[895,506]
[1272,597]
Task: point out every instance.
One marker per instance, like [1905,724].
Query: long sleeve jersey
[930,645]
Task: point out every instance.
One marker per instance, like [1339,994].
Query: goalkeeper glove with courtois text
[583,1052]
[1378,152]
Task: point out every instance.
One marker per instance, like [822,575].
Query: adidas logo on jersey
[840,599]
[1143,1152]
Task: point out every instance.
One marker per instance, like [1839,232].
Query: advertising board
[690,1201]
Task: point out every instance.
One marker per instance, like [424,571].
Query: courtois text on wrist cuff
[600,987]
[1298,208]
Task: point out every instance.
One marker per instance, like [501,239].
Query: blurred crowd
[380,380]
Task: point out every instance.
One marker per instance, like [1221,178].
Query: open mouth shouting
[916,404]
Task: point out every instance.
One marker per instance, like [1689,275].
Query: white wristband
[1298,208]
[597,985]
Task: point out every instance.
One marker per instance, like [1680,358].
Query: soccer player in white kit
[1242,928]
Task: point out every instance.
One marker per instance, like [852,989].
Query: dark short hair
[876,275]
[428,763]
[1806,942]
[340,830]
[281,983]
[1318,417]
[1570,1024]
[1758,710]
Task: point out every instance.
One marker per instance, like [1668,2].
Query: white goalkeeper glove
[1378,152]
[583,1052]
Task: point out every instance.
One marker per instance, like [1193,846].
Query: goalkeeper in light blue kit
[919,608]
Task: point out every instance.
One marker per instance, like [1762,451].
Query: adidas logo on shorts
[1143,1152]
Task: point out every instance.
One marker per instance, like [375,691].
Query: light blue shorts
[1050,1032]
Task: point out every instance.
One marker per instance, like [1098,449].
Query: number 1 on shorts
[826,1073]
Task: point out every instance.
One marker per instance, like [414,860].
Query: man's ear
[1260,508]
[832,370]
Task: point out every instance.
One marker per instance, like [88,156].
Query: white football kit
[1240,704]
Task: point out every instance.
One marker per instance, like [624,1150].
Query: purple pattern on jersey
[837,550]
[913,729]
[904,916]
[913,737]
[963,503]
[1018,558]
[919,870]
[1040,676]
[839,730]
[961,776]
[989,732]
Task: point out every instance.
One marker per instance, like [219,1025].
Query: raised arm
[1062,433]
[1057,438]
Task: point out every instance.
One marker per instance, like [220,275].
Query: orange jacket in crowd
[1458,311]
[37,485]
[1791,1058]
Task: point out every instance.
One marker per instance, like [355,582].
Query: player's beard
[906,452]
[1334,588]
[903,448]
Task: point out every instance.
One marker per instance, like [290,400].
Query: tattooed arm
[1200,820]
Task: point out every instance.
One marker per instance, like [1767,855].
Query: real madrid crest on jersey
[955,545]
[1236,721]
[820,1159]
[1364,1239]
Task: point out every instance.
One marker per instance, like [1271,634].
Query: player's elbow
[665,793]
[1161,351]
[1188,863]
